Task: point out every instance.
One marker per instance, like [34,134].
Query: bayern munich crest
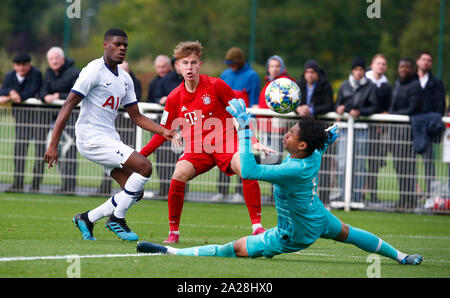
[206,99]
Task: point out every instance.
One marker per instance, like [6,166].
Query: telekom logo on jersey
[204,134]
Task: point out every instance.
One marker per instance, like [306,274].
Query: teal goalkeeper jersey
[301,215]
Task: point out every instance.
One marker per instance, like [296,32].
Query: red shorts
[203,162]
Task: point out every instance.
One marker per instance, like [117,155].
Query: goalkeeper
[302,218]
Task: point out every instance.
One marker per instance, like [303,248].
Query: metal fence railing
[372,165]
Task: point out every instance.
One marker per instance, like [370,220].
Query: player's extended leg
[132,178]
[252,196]
[367,241]
[232,249]
[184,171]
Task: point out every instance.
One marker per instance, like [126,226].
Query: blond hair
[186,48]
[378,56]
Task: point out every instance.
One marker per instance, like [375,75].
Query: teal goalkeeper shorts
[270,243]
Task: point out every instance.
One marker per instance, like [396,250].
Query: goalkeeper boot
[86,227]
[120,228]
[148,247]
[412,260]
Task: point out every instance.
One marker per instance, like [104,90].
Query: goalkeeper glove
[237,109]
[333,133]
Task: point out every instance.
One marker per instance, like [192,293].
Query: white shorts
[110,155]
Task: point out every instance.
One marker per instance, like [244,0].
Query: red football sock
[252,197]
[175,200]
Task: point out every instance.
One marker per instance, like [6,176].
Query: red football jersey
[205,124]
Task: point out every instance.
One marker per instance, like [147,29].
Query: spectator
[24,82]
[246,84]
[316,99]
[171,80]
[166,158]
[241,77]
[356,96]
[378,151]
[58,81]
[125,128]
[59,76]
[155,92]
[137,84]
[316,92]
[433,102]
[407,98]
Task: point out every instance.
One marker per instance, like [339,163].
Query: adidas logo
[183,109]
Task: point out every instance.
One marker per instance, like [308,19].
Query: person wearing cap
[357,96]
[316,96]
[241,76]
[246,84]
[24,82]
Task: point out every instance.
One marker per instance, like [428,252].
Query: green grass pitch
[40,226]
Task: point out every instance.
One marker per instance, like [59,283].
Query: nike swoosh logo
[107,84]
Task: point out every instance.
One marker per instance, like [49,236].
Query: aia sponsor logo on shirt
[112,103]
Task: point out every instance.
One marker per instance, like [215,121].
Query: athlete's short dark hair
[312,131]
[408,60]
[114,32]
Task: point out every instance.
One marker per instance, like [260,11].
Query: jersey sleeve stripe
[130,104]
[78,93]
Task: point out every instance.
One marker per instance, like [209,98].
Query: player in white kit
[102,87]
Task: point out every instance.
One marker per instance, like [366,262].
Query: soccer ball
[282,95]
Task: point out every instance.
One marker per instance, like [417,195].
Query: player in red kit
[198,105]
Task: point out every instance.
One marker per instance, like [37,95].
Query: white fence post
[139,132]
[349,163]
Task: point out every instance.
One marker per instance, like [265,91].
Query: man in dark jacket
[155,91]
[433,102]
[20,84]
[137,84]
[317,99]
[59,76]
[161,87]
[407,99]
[316,92]
[58,81]
[172,79]
[357,96]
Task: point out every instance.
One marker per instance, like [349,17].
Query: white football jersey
[103,92]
